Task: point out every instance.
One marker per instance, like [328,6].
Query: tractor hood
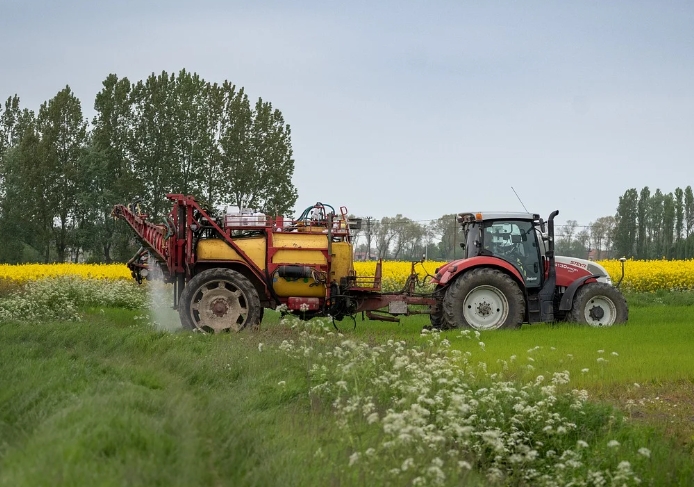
[585,265]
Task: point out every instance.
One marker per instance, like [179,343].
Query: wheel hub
[219,307]
[484,309]
[596,313]
[600,311]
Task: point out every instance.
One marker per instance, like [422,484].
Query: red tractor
[227,268]
[509,275]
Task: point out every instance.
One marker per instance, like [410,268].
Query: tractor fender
[568,298]
[451,271]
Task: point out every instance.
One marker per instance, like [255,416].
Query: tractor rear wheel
[219,300]
[483,299]
[599,304]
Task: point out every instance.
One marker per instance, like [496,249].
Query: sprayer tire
[219,300]
[483,299]
[599,304]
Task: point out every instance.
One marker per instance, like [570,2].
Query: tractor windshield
[516,242]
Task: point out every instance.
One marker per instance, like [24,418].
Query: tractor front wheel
[599,304]
[483,299]
[219,300]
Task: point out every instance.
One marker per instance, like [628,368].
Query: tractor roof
[496,215]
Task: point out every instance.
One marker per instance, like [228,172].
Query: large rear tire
[483,299]
[599,304]
[219,300]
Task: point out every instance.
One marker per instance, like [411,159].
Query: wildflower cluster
[60,298]
[427,415]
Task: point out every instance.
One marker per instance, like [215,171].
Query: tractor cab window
[515,242]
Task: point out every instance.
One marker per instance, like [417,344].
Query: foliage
[170,133]
[61,298]
[655,225]
[426,414]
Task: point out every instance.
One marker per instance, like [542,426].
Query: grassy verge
[111,401]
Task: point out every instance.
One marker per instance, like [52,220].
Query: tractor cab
[513,237]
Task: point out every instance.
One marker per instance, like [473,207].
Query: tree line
[60,174]
[645,226]
[655,225]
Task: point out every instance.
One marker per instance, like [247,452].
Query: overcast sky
[418,108]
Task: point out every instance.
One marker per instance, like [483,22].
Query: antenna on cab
[514,191]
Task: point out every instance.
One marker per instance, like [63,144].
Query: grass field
[112,401]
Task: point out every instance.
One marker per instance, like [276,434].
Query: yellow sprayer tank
[288,248]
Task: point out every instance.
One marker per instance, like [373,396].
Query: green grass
[109,401]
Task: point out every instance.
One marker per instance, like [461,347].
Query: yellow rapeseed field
[653,275]
[34,272]
[640,275]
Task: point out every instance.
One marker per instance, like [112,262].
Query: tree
[63,135]
[383,235]
[597,236]
[655,217]
[642,239]
[26,205]
[689,220]
[449,232]
[626,217]
[257,161]
[111,177]
[668,225]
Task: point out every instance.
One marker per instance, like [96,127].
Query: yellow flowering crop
[394,273]
[653,275]
[35,272]
[640,275]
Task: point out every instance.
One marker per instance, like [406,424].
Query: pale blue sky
[418,108]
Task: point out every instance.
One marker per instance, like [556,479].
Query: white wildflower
[645,452]
[613,443]
[354,458]
[260,347]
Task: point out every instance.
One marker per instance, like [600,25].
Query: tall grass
[110,400]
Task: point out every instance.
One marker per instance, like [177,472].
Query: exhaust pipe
[546,295]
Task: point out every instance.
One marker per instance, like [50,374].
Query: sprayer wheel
[219,300]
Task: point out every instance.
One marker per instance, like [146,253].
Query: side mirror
[462,245]
[542,226]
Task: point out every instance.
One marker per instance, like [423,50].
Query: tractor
[226,268]
[509,275]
